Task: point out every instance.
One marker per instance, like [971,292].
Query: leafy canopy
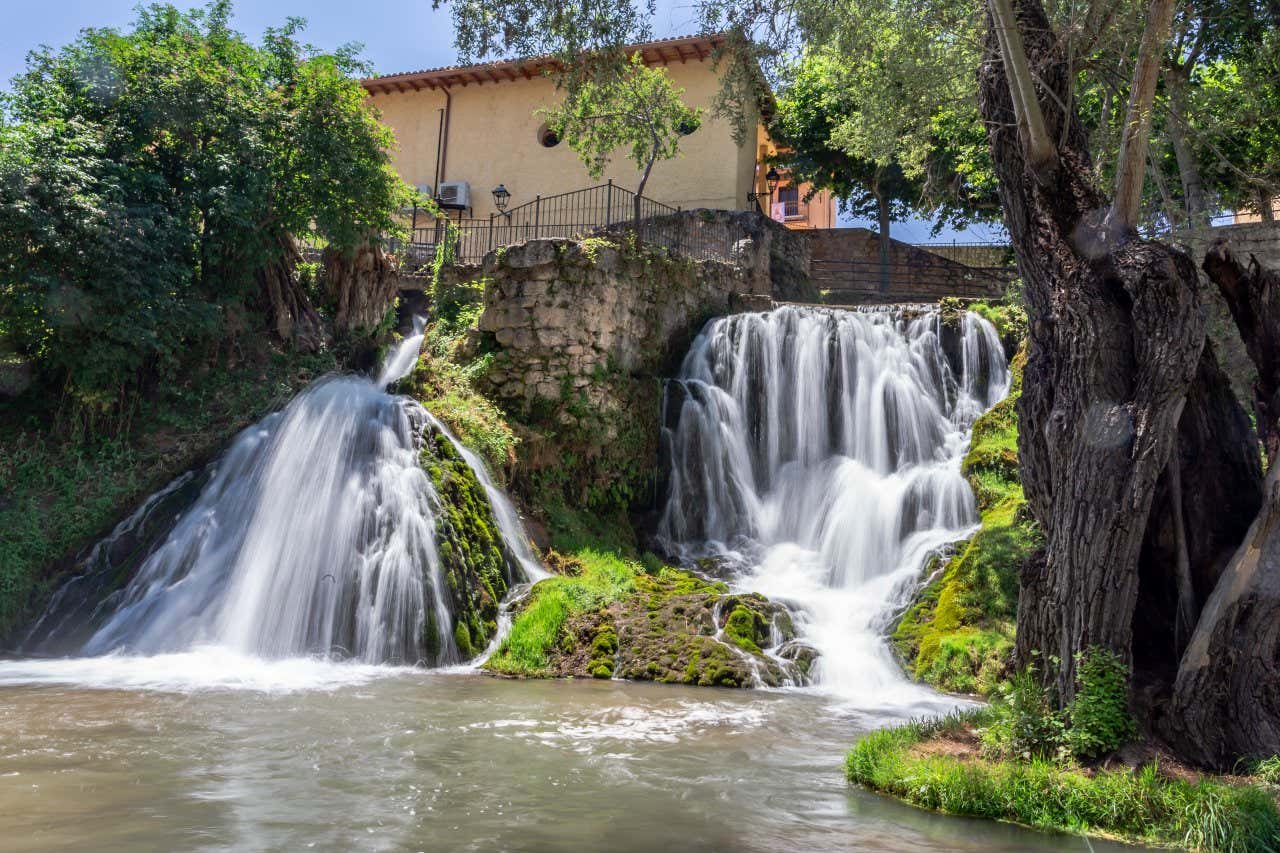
[145,176]
[830,135]
[640,111]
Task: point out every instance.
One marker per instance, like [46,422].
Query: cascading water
[817,452]
[315,534]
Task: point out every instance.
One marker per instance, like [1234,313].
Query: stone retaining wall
[558,314]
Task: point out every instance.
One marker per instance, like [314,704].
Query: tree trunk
[1252,294]
[1188,169]
[1226,701]
[1116,344]
[289,310]
[884,222]
[362,285]
[1266,206]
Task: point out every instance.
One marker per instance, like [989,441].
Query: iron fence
[607,208]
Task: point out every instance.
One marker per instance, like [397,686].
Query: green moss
[538,629]
[744,628]
[1139,806]
[470,546]
[462,639]
[959,631]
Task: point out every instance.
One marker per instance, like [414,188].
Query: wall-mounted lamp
[501,196]
[771,179]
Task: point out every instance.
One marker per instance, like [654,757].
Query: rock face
[678,628]
[477,568]
[576,335]
[562,311]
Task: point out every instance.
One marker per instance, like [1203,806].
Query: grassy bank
[938,765]
[61,489]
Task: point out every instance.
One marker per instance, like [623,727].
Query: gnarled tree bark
[1252,294]
[1226,700]
[1116,365]
[362,285]
[290,312]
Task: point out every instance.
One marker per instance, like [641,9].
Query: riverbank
[940,765]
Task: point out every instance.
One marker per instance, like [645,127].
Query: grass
[60,491]
[604,578]
[1141,806]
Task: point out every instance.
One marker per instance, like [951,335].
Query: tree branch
[1038,147]
[1136,133]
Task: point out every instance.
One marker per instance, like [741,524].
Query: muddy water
[438,761]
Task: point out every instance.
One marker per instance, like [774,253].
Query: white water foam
[817,453]
[313,541]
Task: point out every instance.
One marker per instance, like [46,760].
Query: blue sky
[397,35]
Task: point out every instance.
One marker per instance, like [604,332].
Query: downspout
[443,148]
[435,182]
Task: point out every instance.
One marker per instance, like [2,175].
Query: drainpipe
[435,182]
[443,149]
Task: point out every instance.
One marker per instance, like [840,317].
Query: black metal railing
[607,208]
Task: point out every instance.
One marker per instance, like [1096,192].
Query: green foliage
[63,491]
[1099,712]
[605,578]
[443,381]
[147,176]
[1268,770]
[1023,723]
[639,110]
[825,116]
[1141,806]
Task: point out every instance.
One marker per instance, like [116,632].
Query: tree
[1136,458]
[639,110]
[152,183]
[829,140]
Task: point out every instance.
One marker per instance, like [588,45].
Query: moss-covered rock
[614,619]
[476,568]
[958,633]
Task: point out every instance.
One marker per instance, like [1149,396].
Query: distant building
[463,131]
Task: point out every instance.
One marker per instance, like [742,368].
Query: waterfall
[816,453]
[313,534]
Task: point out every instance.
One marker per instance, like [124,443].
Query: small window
[688,126]
[547,137]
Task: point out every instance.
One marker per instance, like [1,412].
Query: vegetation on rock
[610,614]
[958,634]
[62,491]
[477,569]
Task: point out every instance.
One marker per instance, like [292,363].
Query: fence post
[537,214]
[608,205]
[490,232]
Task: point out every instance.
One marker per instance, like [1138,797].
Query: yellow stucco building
[462,131]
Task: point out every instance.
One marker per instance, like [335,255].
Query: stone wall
[1260,239]
[561,312]
[575,337]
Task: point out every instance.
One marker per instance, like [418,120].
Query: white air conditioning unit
[422,191]
[454,194]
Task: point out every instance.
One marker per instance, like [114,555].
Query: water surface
[418,760]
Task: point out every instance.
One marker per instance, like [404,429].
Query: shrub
[1023,722]
[1100,722]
